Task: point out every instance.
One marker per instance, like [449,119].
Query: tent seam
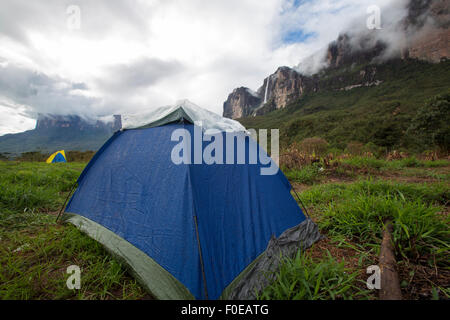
[195,218]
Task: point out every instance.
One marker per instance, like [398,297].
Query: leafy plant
[303,278]
[430,126]
[418,232]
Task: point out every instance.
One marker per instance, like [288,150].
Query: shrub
[355,148]
[335,151]
[429,128]
[315,145]
[33,156]
[79,156]
[374,149]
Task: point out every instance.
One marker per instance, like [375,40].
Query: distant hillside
[368,89]
[380,113]
[422,35]
[60,132]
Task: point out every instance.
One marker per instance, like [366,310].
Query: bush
[35,156]
[335,151]
[79,156]
[430,127]
[372,148]
[316,146]
[355,148]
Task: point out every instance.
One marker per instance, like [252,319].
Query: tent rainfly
[187,230]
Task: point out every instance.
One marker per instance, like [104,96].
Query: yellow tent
[58,156]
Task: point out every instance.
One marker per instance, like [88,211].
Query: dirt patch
[348,255]
[418,281]
[300,187]
[398,177]
[52,213]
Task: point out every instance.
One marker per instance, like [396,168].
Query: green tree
[430,128]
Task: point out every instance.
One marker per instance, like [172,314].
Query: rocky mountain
[240,103]
[427,38]
[280,88]
[431,43]
[382,113]
[55,132]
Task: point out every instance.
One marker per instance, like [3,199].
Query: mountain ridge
[378,113]
[287,84]
[55,132]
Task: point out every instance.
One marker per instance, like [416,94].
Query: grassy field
[348,201]
[35,251]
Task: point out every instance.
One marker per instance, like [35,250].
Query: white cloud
[131,56]
[14,118]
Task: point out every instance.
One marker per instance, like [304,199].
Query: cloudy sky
[102,57]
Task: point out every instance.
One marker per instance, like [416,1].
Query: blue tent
[185,230]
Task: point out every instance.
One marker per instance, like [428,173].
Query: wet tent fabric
[203,224]
[58,156]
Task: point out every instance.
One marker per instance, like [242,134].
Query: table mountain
[55,132]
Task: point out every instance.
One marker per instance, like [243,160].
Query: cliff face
[280,88]
[284,86]
[432,42]
[342,51]
[240,103]
[426,28]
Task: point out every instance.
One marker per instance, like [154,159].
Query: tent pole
[201,257]
[301,203]
[65,202]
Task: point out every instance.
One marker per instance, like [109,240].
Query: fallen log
[390,284]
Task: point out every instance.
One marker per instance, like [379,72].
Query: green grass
[322,195]
[374,163]
[307,175]
[418,232]
[357,211]
[34,266]
[352,216]
[35,251]
[352,167]
[303,278]
[26,186]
